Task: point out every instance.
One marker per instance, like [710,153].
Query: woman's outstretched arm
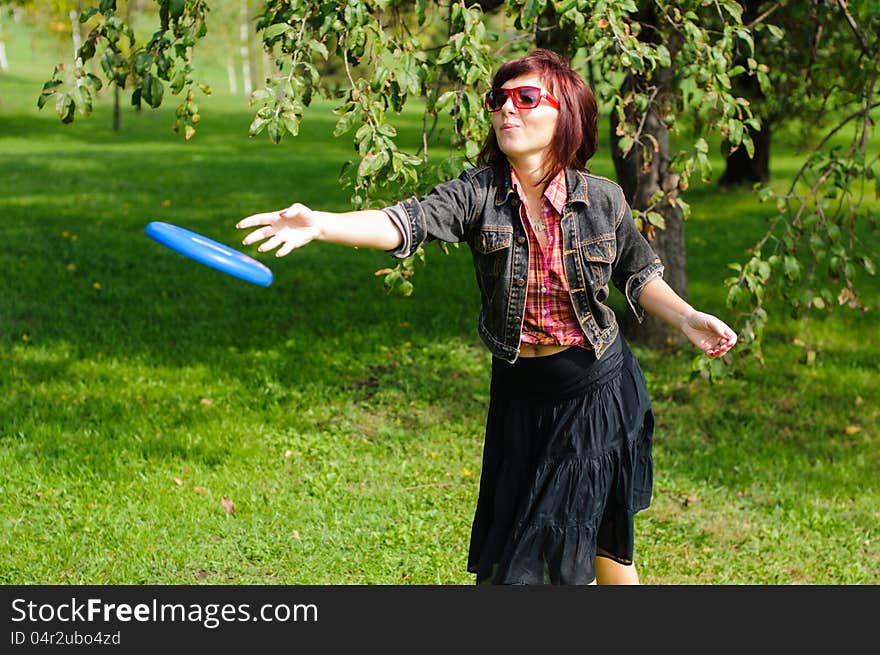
[297,225]
[708,333]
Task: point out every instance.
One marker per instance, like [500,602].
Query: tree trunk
[230,74]
[77,37]
[4,64]
[639,184]
[244,49]
[742,169]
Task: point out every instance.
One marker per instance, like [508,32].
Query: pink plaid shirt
[549,317]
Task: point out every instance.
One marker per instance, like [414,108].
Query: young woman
[567,456]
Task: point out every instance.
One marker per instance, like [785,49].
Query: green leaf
[83,99]
[447,54]
[257,126]
[735,131]
[93,82]
[65,108]
[734,295]
[656,219]
[291,121]
[345,123]
[320,48]
[369,165]
[176,7]
[50,88]
[387,130]
[142,62]
[86,50]
[733,9]
[775,30]
[152,91]
[765,193]
[275,30]
[663,56]
[748,143]
[178,81]
[446,98]
[275,130]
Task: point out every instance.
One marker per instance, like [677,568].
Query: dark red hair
[576,135]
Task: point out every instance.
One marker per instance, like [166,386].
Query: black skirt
[566,465]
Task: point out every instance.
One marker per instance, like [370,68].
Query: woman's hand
[708,333]
[289,228]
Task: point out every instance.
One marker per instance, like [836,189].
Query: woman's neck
[530,172]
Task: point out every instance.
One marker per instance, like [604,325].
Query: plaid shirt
[549,317]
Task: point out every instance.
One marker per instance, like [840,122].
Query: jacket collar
[503,184]
[576,181]
[578,186]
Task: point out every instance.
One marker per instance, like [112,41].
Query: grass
[139,390]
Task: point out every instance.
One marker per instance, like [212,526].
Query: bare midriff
[539,350]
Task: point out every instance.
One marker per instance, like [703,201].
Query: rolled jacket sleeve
[443,214]
[636,263]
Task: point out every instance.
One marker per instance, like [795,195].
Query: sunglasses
[524,97]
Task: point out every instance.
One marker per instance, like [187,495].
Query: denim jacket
[599,239]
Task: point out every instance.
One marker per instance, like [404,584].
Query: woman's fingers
[259,235]
[264,218]
[715,337]
[288,228]
[287,238]
[722,346]
[271,244]
[286,249]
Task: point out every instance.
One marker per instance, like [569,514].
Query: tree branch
[837,128]
[855,28]
[762,17]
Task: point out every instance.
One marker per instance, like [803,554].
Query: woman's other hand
[708,333]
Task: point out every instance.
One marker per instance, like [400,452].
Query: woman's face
[525,133]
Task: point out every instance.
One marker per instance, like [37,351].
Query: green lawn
[139,390]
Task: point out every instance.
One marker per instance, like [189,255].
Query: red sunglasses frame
[514,95]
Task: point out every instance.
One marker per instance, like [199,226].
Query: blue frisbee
[210,253]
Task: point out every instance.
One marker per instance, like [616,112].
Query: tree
[648,62]
[804,44]
[4,62]
[741,167]
[812,254]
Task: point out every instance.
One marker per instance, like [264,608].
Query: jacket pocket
[599,254]
[494,237]
[491,249]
